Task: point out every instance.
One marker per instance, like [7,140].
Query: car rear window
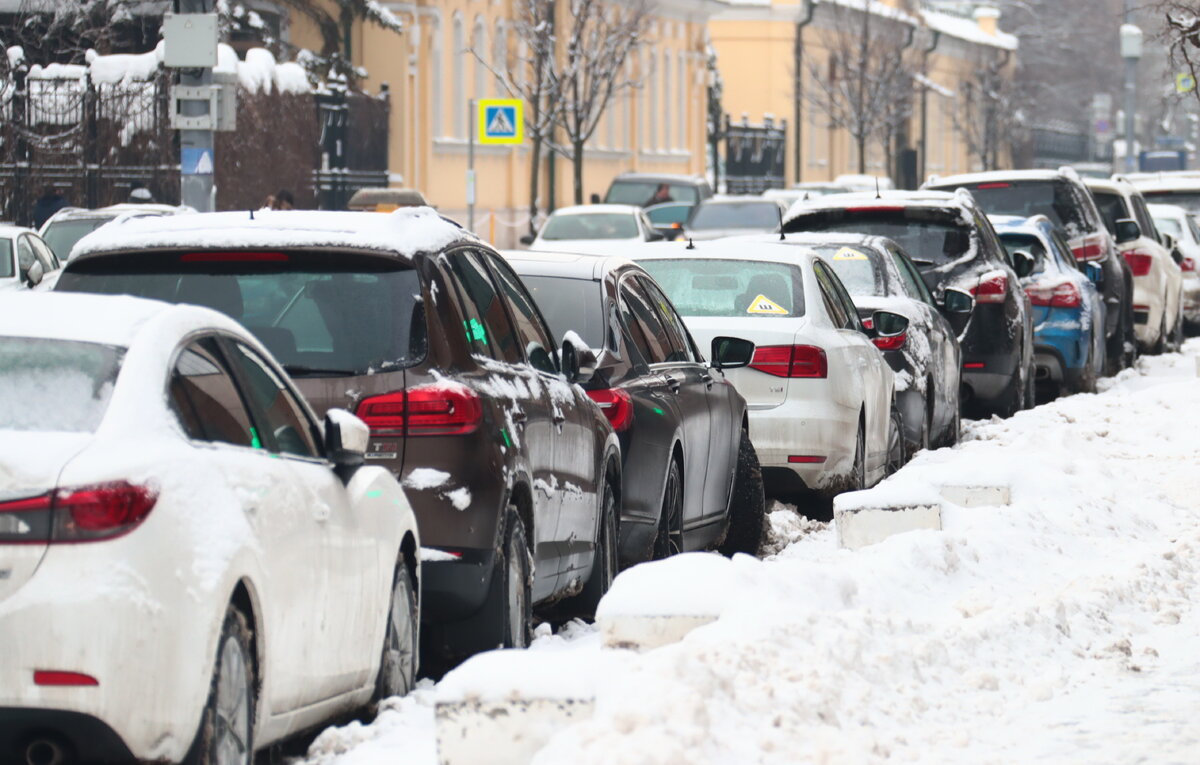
[753,215]
[590,226]
[55,385]
[668,214]
[62,235]
[6,259]
[1188,200]
[646,193]
[931,237]
[568,304]
[332,314]
[857,267]
[730,287]
[1054,199]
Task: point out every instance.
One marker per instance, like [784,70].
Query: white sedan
[821,396]
[1176,221]
[190,565]
[593,229]
[26,261]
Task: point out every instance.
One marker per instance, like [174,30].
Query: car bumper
[1148,315]
[1191,298]
[1061,333]
[78,737]
[804,429]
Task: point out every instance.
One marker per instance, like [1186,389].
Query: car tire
[747,511]
[605,563]
[515,568]
[669,540]
[895,446]
[226,735]
[398,662]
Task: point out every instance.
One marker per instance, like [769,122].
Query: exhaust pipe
[1042,373]
[44,751]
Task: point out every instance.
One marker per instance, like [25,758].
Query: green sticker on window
[476,331]
[255,442]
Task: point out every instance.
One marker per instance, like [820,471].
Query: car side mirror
[1128,230]
[731,352]
[1023,263]
[579,362]
[956,301]
[1094,272]
[888,324]
[527,239]
[33,276]
[346,441]
[595,199]
[1167,240]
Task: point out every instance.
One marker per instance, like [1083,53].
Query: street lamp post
[1131,51]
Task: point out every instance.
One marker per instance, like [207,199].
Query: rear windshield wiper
[300,369]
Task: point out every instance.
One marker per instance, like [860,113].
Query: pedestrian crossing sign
[501,121]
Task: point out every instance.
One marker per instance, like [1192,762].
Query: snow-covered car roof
[117,210]
[603,208]
[1167,211]
[1116,185]
[105,319]
[404,232]
[967,179]
[578,265]
[11,230]
[664,177]
[1182,181]
[763,248]
[924,199]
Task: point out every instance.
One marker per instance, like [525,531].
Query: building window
[458,54]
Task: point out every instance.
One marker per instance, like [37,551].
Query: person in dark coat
[50,202]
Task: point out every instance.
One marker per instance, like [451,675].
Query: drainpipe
[937,36]
[798,76]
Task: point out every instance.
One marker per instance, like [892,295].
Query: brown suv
[429,336]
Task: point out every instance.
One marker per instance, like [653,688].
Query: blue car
[1068,310]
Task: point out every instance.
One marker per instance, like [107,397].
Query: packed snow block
[859,526]
[977,495]
[657,603]
[501,707]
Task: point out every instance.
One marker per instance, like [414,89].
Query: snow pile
[260,73]
[1061,627]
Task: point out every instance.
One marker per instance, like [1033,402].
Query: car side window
[531,330]
[488,328]
[676,330]
[644,322]
[204,398]
[1062,251]
[287,428]
[1144,219]
[907,280]
[843,297]
[636,335]
[43,253]
[837,314]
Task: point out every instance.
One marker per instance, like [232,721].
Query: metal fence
[755,155]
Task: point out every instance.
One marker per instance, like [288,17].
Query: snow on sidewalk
[1061,628]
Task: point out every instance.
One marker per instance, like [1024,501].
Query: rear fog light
[55,677]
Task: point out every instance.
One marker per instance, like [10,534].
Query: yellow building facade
[756,44]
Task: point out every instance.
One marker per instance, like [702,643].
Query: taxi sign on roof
[764,304]
[501,121]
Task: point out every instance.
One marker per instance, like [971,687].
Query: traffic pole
[196,183]
[471,128]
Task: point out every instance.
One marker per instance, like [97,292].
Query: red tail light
[1061,296]
[58,677]
[991,290]
[1188,265]
[1090,247]
[893,343]
[984,186]
[791,361]
[616,405]
[434,410]
[1139,262]
[87,514]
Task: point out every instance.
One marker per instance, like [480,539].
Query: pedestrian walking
[50,202]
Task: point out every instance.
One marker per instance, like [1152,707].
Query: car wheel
[895,453]
[669,540]
[604,561]
[398,665]
[747,504]
[226,735]
[517,571]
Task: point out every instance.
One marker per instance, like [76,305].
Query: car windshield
[1188,200]
[62,235]
[762,216]
[730,287]
[569,304]
[1169,226]
[6,259]
[930,237]
[665,215]
[1054,199]
[590,226]
[1014,243]
[646,193]
[857,267]
[318,314]
[55,385]
[1112,209]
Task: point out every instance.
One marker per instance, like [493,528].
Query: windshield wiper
[300,369]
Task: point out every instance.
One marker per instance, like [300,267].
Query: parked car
[587,227]
[1062,197]
[25,260]
[1157,279]
[821,396]
[193,567]
[690,479]
[926,359]
[953,245]
[1068,310]
[1178,188]
[645,189]
[429,336]
[859,182]
[731,216]
[668,218]
[789,196]
[70,224]
[1176,221]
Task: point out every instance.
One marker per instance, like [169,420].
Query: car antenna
[691,244]
[877,194]
[782,238]
[251,213]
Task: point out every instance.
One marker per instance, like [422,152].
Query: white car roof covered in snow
[1167,211]
[1183,181]
[966,179]
[596,209]
[922,199]
[767,248]
[405,232]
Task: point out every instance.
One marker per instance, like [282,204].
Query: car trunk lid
[761,390]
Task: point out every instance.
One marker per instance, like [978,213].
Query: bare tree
[987,112]
[866,89]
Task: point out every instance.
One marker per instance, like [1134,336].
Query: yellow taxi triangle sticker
[764,304]
[848,253]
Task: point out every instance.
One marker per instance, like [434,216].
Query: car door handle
[674,383]
[707,379]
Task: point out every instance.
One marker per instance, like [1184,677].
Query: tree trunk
[535,169]
[861,141]
[577,152]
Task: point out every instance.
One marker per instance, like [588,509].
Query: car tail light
[1090,247]
[616,405]
[974,365]
[234,257]
[805,459]
[1060,296]
[893,343]
[58,677]
[1188,265]
[991,290]
[434,410]
[791,361]
[985,186]
[1139,262]
[86,514]
[868,323]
